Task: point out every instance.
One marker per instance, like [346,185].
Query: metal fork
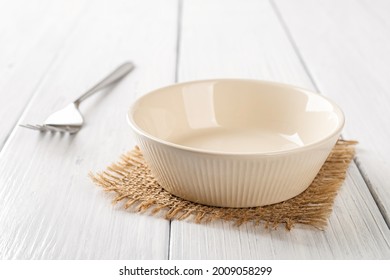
[69,119]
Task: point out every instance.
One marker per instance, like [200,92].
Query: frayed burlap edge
[131,180]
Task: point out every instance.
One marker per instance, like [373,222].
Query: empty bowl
[235,143]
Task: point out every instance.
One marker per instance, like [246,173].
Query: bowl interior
[236,116]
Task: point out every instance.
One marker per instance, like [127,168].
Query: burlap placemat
[132,182]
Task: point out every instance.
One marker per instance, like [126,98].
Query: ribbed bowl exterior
[234,180]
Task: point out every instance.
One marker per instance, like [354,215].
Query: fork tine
[72,129]
[41,128]
[34,127]
[44,128]
[50,128]
[69,129]
[55,129]
[64,129]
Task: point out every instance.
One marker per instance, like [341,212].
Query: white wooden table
[52,51]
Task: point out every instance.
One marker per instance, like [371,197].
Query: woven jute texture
[131,180]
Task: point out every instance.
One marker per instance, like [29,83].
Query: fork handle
[117,74]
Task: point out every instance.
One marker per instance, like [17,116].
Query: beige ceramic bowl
[235,143]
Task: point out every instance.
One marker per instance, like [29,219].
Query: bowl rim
[312,145]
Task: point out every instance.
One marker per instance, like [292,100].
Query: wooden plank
[345,44]
[49,207]
[31,36]
[245,39]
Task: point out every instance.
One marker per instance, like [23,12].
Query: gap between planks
[177,63]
